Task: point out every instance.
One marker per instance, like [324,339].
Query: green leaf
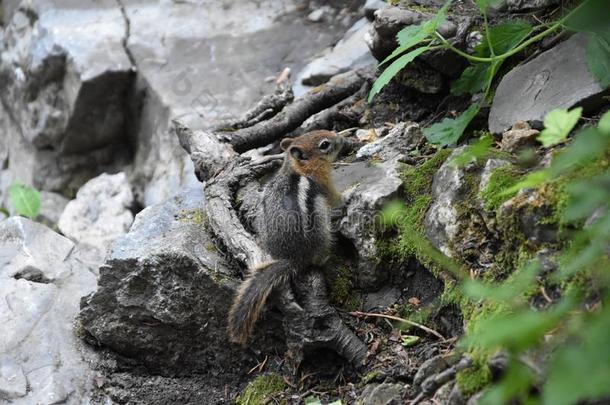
[531,180]
[586,197]
[25,200]
[412,35]
[588,144]
[474,152]
[337,402]
[580,371]
[393,69]
[472,80]
[598,58]
[592,17]
[410,340]
[485,4]
[312,401]
[557,126]
[515,383]
[519,330]
[504,37]
[604,124]
[449,130]
[505,292]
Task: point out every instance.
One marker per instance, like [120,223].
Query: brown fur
[306,157]
[318,166]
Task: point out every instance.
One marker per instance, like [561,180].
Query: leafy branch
[500,43]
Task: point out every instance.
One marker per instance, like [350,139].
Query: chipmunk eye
[324,145]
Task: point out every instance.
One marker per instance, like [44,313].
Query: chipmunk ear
[286,142]
[298,153]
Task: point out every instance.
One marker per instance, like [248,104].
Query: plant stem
[517,49]
[491,48]
[395,318]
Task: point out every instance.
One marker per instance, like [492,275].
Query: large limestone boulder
[164,293]
[64,88]
[42,277]
[101,211]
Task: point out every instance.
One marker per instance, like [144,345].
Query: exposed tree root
[291,117]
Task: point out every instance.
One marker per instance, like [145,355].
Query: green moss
[342,289]
[261,388]
[370,377]
[196,216]
[406,239]
[501,179]
[475,378]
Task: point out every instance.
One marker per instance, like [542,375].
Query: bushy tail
[253,294]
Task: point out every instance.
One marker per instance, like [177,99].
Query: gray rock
[520,136]
[321,14]
[42,279]
[528,5]
[350,53]
[456,397]
[366,188]
[51,208]
[164,292]
[373,5]
[444,392]
[7,9]
[529,209]
[557,78]
[430,367]
[12,380]
[100,213]
[488,169]
[476,398]
[390,20]
[381,299]
[441,221]
[402,138]
[65,87]
[382,394]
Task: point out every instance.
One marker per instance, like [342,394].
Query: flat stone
[520,136]
[382,394]
[402,138]
[350,53]
[101,211]
[557,78]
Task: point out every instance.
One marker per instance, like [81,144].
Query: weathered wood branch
[292,116]
[267,107]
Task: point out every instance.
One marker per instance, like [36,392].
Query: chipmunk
[295,224]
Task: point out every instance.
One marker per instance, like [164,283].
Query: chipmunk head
[313,151]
